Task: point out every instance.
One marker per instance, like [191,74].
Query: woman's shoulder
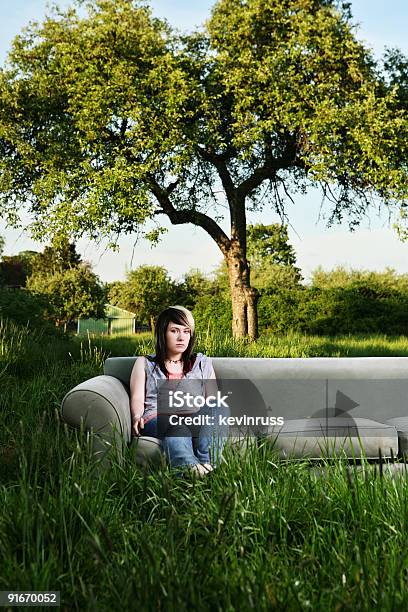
[204,360]
[144,361]
[150,361]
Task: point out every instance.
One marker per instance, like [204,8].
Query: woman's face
[177,338]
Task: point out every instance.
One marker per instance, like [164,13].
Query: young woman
[174,336]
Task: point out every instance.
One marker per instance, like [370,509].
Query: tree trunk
[244,298]
[252,297]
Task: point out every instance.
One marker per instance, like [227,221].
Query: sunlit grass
[268,345]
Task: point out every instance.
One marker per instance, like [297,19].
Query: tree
[24,307]
[270,241]
[70,294]
[15,269]
[271,257]
[109,120]
[194,285]
[60,255]
[146,291]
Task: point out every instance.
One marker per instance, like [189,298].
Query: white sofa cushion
[320,437]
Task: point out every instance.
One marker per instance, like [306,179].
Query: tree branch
[268,171]
[219,162]
[236,203]
[195,217]
[123,128]
[257,177]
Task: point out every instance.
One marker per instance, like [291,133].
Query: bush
[70,294]
[358,308]
[24,307]
[213,313]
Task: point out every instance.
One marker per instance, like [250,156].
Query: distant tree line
[335,302]
[59,287]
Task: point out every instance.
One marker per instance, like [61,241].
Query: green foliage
[278,311]
[146,291]
[23,307]
[341,277]
[337,302]
[295,71]
[59,256]
[213,314]
[269,242]
[271,277]
[70,294]
[220,282]
[212,304]
[271,257]
[114,293]
[60,287]
[14,270]
[110,119]
[396,74]
[149,289]
[361,307]
[273,273]
[103,93]
[97,111]
[357,309]
[195,284]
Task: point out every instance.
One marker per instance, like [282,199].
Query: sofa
[350,406]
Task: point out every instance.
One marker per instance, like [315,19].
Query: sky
[375,245]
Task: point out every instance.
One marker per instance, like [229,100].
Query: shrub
[213,313]
[24,307]
[358,308]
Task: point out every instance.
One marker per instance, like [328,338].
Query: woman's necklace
[173,360]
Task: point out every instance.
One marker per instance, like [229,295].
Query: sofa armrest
[102,404]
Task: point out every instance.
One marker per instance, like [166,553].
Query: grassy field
[258,533]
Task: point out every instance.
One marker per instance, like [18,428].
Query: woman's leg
[176,441]
[212,437]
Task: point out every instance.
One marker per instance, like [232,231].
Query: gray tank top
[202,368]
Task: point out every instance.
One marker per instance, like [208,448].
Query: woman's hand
[137,424]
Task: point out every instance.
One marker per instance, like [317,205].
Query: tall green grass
[290,345]
[258,533]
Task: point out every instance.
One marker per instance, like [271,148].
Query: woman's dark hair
[180,316]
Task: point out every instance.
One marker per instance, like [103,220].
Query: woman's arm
[137,395]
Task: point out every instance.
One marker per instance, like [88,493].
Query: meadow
[258,533]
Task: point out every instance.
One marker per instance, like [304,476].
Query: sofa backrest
[370,387]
